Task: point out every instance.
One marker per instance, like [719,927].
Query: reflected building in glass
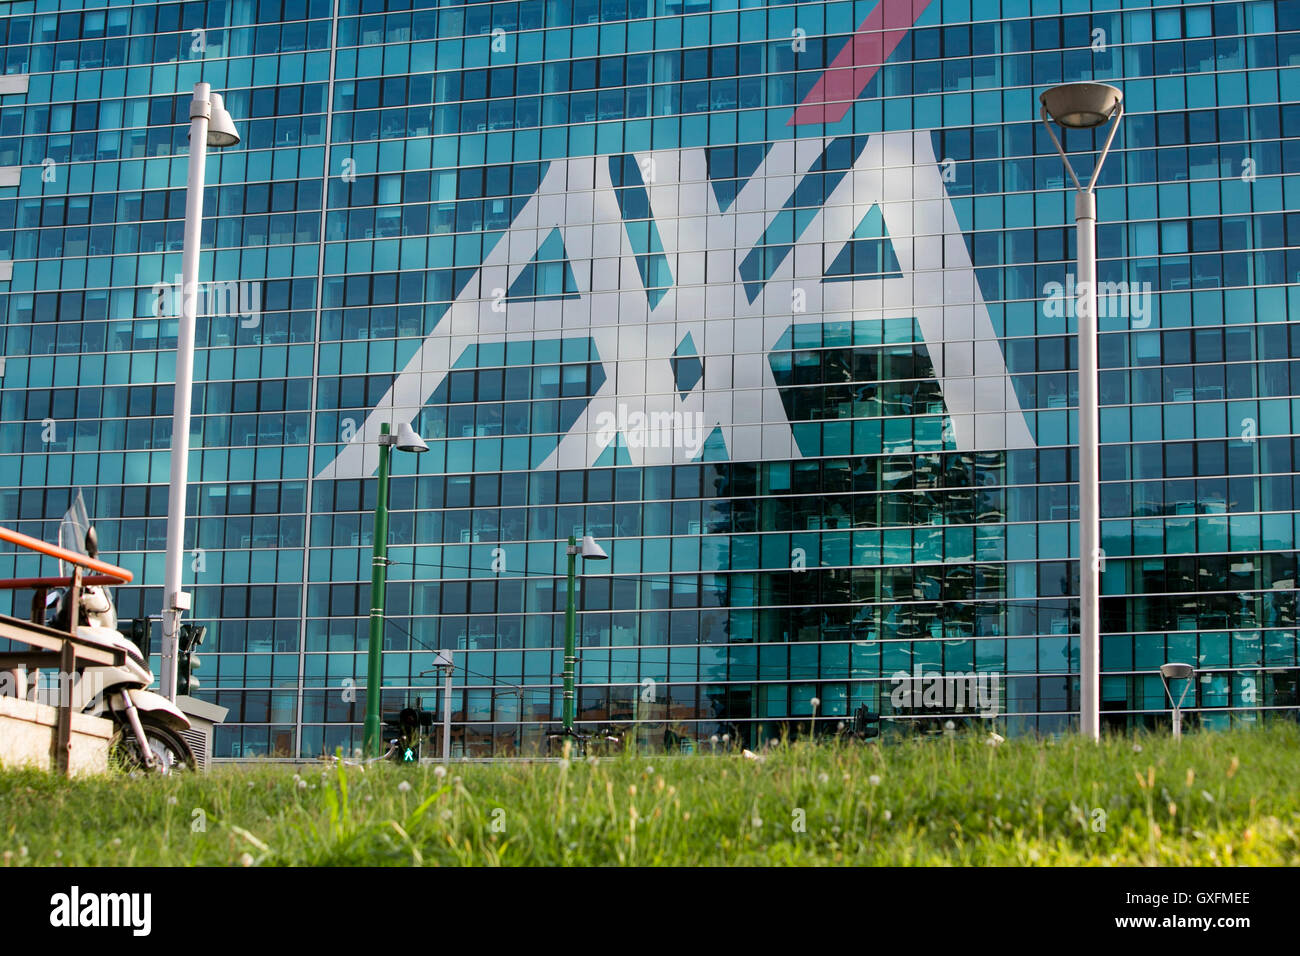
[773,300]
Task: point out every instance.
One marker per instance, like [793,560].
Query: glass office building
[774,300]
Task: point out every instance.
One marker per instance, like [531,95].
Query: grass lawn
[1216,799]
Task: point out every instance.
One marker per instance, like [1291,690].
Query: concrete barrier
[27,731]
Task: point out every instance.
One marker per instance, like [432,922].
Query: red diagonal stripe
[860,60]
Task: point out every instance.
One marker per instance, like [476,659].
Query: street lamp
[590,551]
[406,439]
[1085,106]
[1183,672]
[210,125]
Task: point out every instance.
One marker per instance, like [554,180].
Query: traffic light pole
[378,586]
[570,648]
[446,711]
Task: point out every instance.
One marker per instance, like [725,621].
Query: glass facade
[788,330]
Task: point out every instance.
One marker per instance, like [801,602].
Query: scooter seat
[107,635]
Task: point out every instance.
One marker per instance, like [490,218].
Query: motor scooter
[149,727]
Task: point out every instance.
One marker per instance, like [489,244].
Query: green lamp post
[405,440]
[590,551]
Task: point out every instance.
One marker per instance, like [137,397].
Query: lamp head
[1176,671]
[1081,105]
[591,550]
[221,128]
[409,440]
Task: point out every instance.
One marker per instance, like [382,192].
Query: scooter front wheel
[170,752]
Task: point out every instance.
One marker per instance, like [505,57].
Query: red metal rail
[110,572]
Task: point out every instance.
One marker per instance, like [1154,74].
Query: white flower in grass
[172,801]
[440,771]
[302,784]
[403,787]
[874,780]
[888,816]
[1137,748]
[245,859]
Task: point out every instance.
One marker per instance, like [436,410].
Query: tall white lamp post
[210,125]
[1084,106]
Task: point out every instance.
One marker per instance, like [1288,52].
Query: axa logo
[731,322]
